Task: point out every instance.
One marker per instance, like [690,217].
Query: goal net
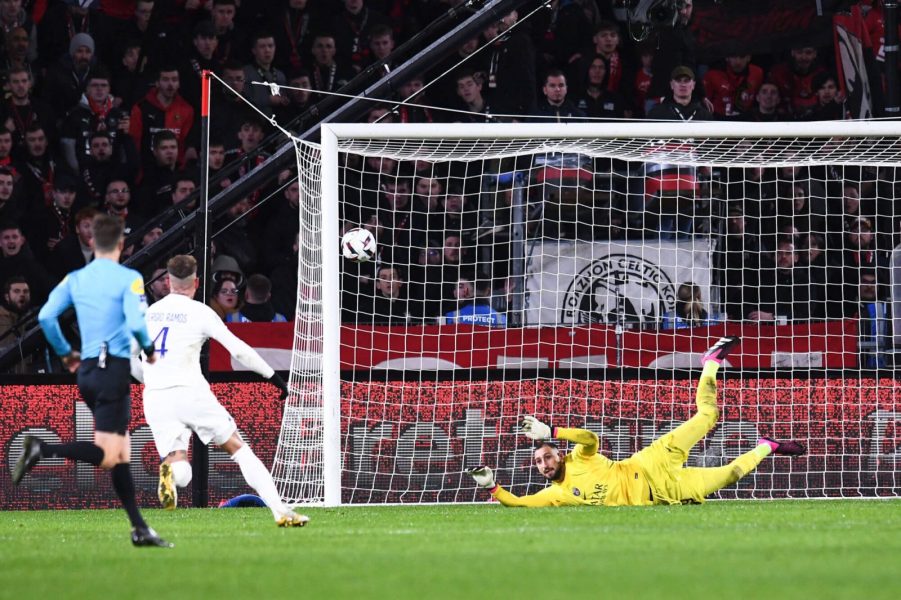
[576,272]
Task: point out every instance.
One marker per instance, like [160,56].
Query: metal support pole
[518,251]
[892,93]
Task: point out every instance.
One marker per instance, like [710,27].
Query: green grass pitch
[754,549]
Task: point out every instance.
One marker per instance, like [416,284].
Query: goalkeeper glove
[534,429]
[483,476]
[278,382]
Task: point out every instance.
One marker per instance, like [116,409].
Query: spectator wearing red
[607,44]
[795,79]
[163,108]
[643,77]
[732,89]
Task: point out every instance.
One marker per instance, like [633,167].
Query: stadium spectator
[411,93]
[689,310]
[21,110]
[676,48]
[767,105]
[861,253]
[282,227]
[386,303]
[16,305]
[474,305]
[163,108]
[105,163]
[829,102]
[795,79]
[261,70]
[146,23]
[96,111]
[459,218]
[679,106]
[558,34]
[157,285]
[351,27]
[781,290]
[128,77]
[469,91]
[66,79]
[555,107]
[300,99]
[257,307]
[284,284]
[643,75]
[36,168]
[18,259]
[236,241]
[327,72]
[509,66]
[732,88]
[159,176]
[823,275]
[201,57]
[74,251]
[654,475]
[47,225]
[597,101]
[11,209]
[117,202]
[6,147]
[381,45]
[428,214]
[225,267]
[62,22]
[225,299]
[293,27]
[606,44]
[232,44]
[14,54]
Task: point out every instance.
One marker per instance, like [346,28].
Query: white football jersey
[179,326]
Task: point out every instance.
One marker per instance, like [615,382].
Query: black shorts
[107,392]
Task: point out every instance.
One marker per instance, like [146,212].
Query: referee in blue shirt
[109,306]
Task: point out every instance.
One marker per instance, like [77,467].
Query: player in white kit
[178,399]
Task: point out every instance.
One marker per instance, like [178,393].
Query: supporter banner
[854,58]
[579,283]
[830,345]
[721,26]
[410,441]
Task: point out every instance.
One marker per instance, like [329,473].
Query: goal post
[623,249]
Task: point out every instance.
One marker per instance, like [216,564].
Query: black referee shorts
[107,392]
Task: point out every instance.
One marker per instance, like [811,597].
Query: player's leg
[258,477]
[112,412]
[682,439]
[706,480]
[213,423]
[171,436]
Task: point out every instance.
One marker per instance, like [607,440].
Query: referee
[109,306]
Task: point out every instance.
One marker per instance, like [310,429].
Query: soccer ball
[358,245]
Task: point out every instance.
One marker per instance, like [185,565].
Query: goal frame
[333,133]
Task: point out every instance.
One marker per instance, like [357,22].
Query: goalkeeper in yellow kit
[654,475]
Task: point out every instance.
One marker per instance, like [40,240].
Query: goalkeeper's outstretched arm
[547,497]
[587,442]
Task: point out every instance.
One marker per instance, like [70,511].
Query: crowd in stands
[101,114]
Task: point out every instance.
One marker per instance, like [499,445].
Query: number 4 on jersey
[161,349]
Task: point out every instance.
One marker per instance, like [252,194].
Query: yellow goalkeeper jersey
[589,478]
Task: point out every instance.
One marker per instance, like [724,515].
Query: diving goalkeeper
[654,475]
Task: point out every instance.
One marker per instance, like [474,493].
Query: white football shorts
[172,414]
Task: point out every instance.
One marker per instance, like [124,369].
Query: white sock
[257,476]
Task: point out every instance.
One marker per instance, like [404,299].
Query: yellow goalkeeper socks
[710,369]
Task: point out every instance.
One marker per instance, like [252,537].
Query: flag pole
[200,457]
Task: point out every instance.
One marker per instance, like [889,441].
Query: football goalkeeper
[654,475]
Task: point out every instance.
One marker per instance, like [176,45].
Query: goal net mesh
[580,280]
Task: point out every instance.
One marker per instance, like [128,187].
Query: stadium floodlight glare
[589,236]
